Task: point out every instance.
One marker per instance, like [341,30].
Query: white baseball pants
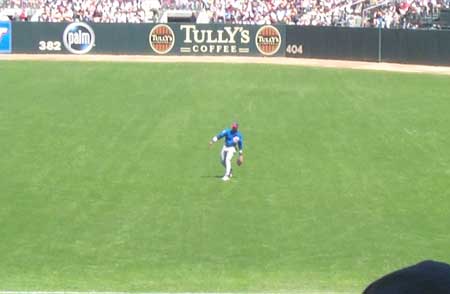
[225,157]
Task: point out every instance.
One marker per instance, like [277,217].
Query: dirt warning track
[394,67]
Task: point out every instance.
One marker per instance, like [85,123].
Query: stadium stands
[407,14]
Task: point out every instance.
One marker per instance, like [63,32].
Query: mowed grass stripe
[107,183]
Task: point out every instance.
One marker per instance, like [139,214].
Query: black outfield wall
[148,39]
[416,46]
[364,44]
[333,42]
[369,44]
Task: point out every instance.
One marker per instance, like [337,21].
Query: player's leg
[228,158]
[223,155]
[223,159]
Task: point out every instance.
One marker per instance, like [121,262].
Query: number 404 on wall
[294,49]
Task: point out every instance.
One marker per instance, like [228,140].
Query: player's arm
[217,137]
[241,145]
[241,151]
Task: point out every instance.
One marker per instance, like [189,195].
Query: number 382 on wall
[49,46]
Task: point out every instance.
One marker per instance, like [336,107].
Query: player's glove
[240,160]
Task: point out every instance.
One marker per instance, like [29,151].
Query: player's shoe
[225,178]
[231,173]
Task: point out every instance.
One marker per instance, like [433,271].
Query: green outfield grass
[107,182]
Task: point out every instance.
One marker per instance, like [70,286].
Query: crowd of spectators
[406,14]
[355,13]
[293,12]
[107,11]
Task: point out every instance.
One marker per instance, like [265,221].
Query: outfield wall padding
[333,43]
[148,39]
[416,46]
[360,44]
[430,47]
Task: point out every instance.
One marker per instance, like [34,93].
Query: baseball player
[232,139]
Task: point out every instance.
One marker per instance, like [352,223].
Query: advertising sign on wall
[149,39]
[5,37]
[53,38]
[216,39]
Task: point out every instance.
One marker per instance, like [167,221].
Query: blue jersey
[232,138]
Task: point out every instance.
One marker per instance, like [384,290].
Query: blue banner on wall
[5,37]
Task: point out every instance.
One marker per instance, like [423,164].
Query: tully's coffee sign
[228,40]
[193,39]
